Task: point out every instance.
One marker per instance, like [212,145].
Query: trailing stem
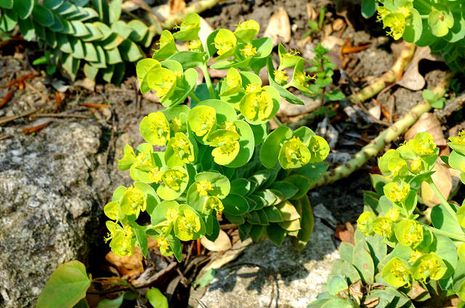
[394,74]
[373,148]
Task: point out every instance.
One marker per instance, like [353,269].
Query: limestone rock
[46,204]
[267,275]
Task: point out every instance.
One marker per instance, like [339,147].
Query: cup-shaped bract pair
[293,149]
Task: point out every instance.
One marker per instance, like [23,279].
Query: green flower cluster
[215,158]
[403,252]
[439,24]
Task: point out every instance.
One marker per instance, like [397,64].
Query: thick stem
[443,200]
[374,147]
[394,74]
[208,80]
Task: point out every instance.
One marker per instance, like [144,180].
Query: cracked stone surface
[267,275]
[46,205]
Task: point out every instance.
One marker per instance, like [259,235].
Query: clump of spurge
[405,254]
[215,158]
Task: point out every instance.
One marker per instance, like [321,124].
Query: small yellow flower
[383,227]
[121,239]
[294,154]
[155,128]
[459,139]
[281,76]
[257,105]
[409,232]
[396,273]
[214,203]
[182,147]
[203,187]
[429,266]
[248,51]
[164,246]
[396,191]
[415,165]
[253,88]
[365,222]
[177,125]
[133,201]
[393,214]
[173,179]
[194,45]
[187,225]
[225,42]
[423,144]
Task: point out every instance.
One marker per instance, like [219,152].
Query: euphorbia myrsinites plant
[209,156]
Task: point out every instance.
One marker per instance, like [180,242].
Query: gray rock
[267,275]
[46,205]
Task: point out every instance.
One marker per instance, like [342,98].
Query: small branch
[373,148]
[394,74]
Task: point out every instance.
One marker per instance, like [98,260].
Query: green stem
[208,80]
[451,235]
[194,97]
[442,199]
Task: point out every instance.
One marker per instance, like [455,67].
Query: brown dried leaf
[279,27]
[37,125]
[345,232]
[130,266]
[428,123]
[412,79]
[222,243]
[443,180]
[176,6]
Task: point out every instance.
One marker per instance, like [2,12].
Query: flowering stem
[442,199]
[451,235]
[208,80]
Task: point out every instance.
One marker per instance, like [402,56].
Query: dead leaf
[85,83]
[330,42]
[222,242]
[443,180]
[130,266]
[176,6]
[37,125]
[345,232]
[205,31]
[375,111]
[279,27]
[412,79]
[8,96]
[311,12]
[428,123]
